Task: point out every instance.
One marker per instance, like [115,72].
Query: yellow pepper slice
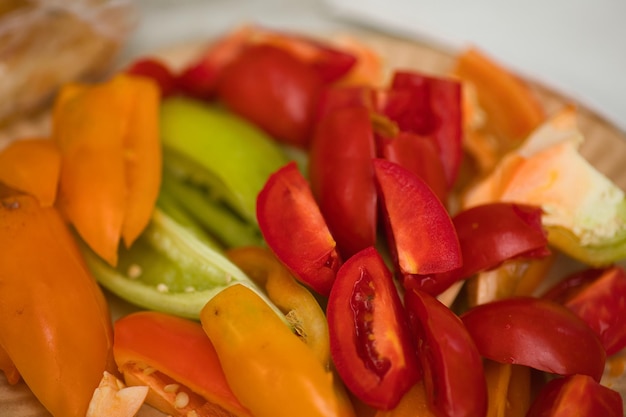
[298,304]
[269,370]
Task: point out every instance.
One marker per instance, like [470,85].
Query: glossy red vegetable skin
[156,70]
[429,106]
[576,395]
[294,228]
[489,235]
[538,333]
[369,335]
[342,177]
[418,154]
[273,89]
[598,296]
[179,349]
[452,366]
[422,236]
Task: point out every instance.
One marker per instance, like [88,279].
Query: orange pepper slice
[32,166]
[110,159]
[512,109]
[55,325]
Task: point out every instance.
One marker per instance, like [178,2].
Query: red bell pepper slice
[598,296]
[159,350]
[342,177]
[273,89]
[369,335]
[294,228]
[420,231]
[337,97]
[576,395]
[538,333]
[429,106]
[452,367]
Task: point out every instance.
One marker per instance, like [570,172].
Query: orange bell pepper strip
[32,166]
[55,324]
[175,358]
[413,404]
[8,367]
[268,368]
[301,308]
[509,389]
[499,109]
[511,108]
[110,159]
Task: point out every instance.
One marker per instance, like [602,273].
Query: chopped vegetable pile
[302,235]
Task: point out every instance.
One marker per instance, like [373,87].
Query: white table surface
[575,46]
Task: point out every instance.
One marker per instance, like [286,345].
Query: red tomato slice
[538,333]
[598,296]
[576,395]
[452,367]
[294,228]
[422,236]
[342,177]
[273,89]
[369,335]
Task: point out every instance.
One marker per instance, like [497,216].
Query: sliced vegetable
[512,110]
[168,269]
[110,160]
[300,307]
[451,364]
[537,333]
[342,177]
[54,321]
[174,357]
[576,395]
[420,231]
[270,370]
[429,106]
[32,166]
[295,230]
[212,149]
[584,211]
[284,103]
[509,389]
[598,296]
[369,335]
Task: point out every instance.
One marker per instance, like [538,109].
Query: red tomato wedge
[598,296]
[342,177]
[538,333]
[452,367]
[295,230]
[369,335]
[422,236]
[283,103]
[576,395]
[489,235]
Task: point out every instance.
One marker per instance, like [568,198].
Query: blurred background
[575,46]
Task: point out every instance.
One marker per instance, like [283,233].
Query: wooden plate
[604,147]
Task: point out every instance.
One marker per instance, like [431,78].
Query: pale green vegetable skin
[238,155]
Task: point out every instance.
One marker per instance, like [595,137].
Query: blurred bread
[45,43]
